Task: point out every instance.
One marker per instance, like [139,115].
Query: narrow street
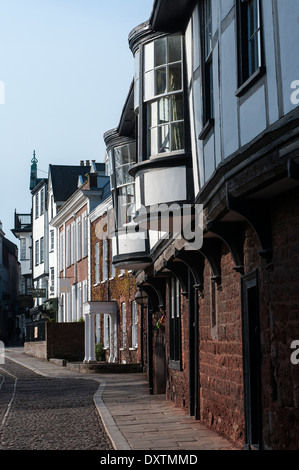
[42,413]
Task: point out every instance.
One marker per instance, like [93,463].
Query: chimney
[82,163]
[92,181]
[87,163]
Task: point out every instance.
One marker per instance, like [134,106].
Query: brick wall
[63,341]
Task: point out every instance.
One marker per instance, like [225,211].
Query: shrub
[100,352]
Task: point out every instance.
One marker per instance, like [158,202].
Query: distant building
[48,196]
[9,288]
[23,232]
[72,241]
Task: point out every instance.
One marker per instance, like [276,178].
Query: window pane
[160,76]
[118,157]
[164,139]
[177,136]
[175,77]
[252,18]
[177,107]
[123,176]
[153,148]
[125,157]
[160,52]
[149,57]
[149,85]
[163,110]
[137,65]
[153,114]
[174,49]
[253,37]
[253,55]
[110,161]
[120,176]
[130,191]
[132,151]
[136,93]
[208,27]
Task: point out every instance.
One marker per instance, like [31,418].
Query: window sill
[134,348]
[207,127]
[250,81]
[166,154]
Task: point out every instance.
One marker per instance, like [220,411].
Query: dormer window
[163,95]
[122,184]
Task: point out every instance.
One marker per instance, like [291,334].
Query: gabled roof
[65,180]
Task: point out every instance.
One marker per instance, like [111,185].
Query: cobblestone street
[42,413]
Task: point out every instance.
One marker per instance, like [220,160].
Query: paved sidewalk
[134,419]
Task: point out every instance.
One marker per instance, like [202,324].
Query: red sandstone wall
[279,313]
[220,353]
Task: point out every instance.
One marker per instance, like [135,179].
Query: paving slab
[134,419]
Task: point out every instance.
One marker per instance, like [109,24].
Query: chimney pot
[82,162]
[87,163]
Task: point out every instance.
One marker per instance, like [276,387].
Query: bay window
[163,95]
[122,184]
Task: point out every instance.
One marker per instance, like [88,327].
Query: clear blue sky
[67,68]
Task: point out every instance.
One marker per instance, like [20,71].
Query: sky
[65,73]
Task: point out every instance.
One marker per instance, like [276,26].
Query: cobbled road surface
[41,413]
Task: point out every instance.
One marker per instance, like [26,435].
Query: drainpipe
[150,350]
